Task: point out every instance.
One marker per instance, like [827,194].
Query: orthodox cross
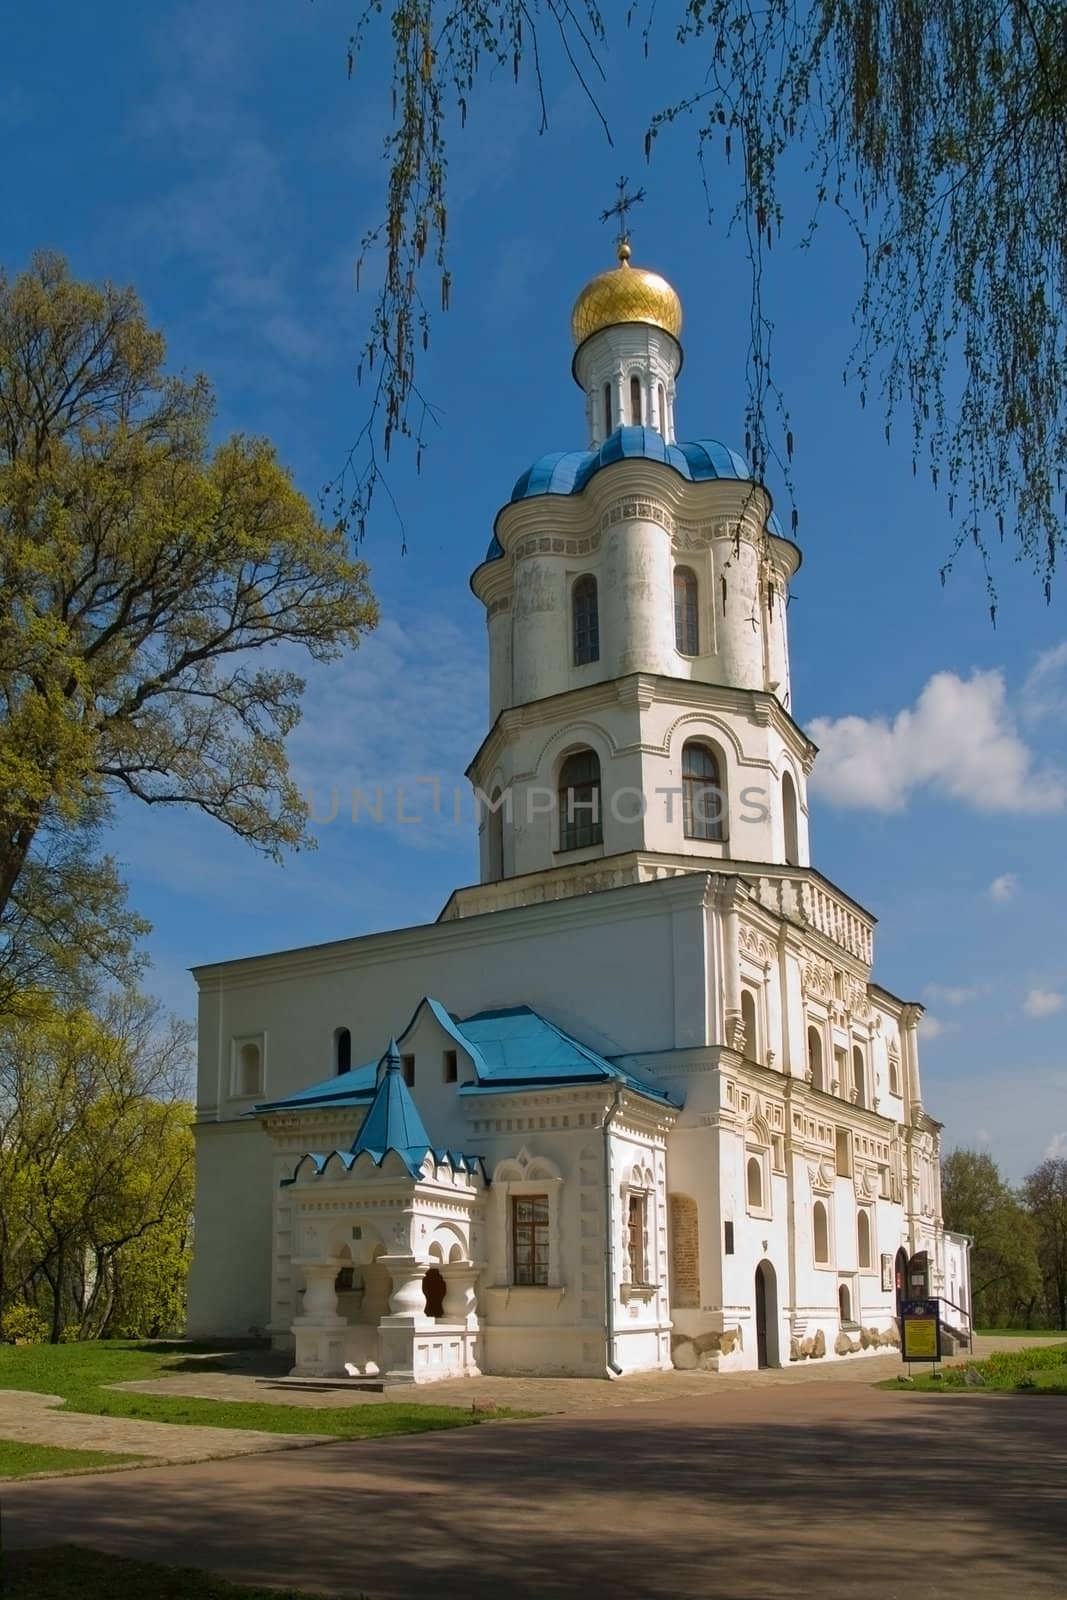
[620,209]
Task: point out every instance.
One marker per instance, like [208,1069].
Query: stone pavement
[32,1419]
[784,1489]
[260,1376]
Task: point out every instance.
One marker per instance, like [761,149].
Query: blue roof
[568,471]
[509,1049]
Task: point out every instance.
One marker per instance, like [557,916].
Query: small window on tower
[686,613]
[635,401]
[662,410]
[586,621]
[451,1066]
[407,1067]
[728,1238]
[607,409]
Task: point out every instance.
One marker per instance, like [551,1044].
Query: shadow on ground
[754,1496]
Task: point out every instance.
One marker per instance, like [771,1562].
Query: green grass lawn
[1017,1333]
[1040,1369]
[18,1460]
[80,1373]
[67,1573]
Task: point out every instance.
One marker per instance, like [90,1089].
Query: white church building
[634,1100]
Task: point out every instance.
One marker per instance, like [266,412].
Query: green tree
[938,132]
[144,572]
[1045,1193]
[96,1163]
[975,1200]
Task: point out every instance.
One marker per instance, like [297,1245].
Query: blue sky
[224,164]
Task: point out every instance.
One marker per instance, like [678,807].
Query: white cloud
[941,994]
[1004,888]
[961,739]
[1043,1003]
[1056,1148]
[931,1027]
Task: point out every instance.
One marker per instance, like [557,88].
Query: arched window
[342,1050]
[821,1233]
[859,1075]
[894,1075]
[844,1300]
[815,1059]
[754,1183]
[494,823]
[607,409]
[249,1069]
[863,1239]
[635,400]
[662,410]
[703,801]
[789,821]
[586,620]
[748,1017]
[579,801]
[686,613]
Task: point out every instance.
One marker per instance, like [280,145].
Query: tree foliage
[975,1200]
[96,1167]
[1045,1192]
[939,132]
[144,572]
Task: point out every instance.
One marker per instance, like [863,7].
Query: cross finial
[621,209]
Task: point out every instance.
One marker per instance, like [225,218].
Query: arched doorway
[766,1316]
[900,1277]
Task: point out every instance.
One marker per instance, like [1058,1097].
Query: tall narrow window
[450,1066]
[754,1183]
[663,410]
[844,1301]
[494,823]
[529,1238]
[407,1068]
[636,1218]
[859,1076]
[703,801]
[579,801]
[249,1074]
[894,1075]
[815,1059]
[586,620]
[821,1233]
[727,1238]
[843,1153]
[607,409]
[748,1017]
[635,400]
[343,1050]
[789,821]
[863,1239]
[686,614]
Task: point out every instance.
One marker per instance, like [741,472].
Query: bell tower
[635,595]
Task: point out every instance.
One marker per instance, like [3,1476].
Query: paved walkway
[260,1376]
[32,1419]
[828,1489]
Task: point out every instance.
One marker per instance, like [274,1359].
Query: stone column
[318,1332]
[407,1298]
[909,1021]
[461,1302]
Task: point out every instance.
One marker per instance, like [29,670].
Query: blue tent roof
[511,1048]
[568,471]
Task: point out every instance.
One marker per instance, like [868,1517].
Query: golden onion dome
[625,294]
